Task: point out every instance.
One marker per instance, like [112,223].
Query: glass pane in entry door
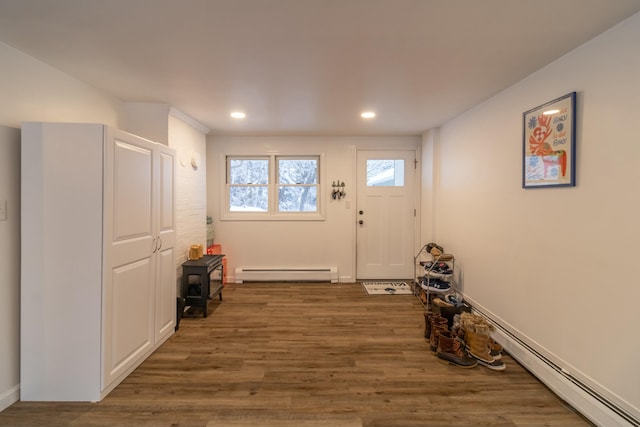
[385,173]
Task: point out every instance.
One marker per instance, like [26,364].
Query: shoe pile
[466,344]
[438,271]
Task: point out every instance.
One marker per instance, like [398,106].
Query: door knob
[361,222]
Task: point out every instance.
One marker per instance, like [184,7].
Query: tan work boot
[477,341]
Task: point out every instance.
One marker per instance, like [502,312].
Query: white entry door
[385,214]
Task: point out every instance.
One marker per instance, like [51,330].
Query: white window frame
[272,213]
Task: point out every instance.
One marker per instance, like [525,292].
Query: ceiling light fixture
[238,115]
[368,115]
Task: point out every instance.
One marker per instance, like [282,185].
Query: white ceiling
[306,66]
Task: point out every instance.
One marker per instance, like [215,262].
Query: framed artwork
[549,144]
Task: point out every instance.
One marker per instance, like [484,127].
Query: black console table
[197,285]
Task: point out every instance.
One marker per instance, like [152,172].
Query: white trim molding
[188,120]
[9,397]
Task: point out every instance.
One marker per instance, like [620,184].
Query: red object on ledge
[217,250]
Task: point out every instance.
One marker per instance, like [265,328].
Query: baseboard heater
[318,274]
[585,398]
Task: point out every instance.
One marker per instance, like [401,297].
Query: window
[248,181]
[272,187]
[385,173]
[297,184]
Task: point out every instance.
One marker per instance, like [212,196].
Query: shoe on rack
[430,246]
[439,302]
[439,270]
[442,267]
[453,299]
[436,275]
[434,285]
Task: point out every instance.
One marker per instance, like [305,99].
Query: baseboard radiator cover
[592,401]
[291,274]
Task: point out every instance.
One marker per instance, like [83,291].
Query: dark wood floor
[307,355]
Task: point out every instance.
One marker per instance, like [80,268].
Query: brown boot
[450,351]
[438,324]
[427,325]
[495,349]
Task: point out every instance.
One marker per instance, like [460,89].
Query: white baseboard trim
[583,397]
[9,397]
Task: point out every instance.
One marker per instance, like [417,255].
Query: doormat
[387,288]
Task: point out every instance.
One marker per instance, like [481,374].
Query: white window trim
[272,214]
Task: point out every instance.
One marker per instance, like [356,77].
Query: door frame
[417,190]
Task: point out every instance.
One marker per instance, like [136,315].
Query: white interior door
[385,214]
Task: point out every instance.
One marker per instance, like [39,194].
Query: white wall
[31,91]
[330,242]
[189,141]
[34,91]
[429,185]
[556,265]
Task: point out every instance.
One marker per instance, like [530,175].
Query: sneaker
[434,285]
[444,276]
[439,270]
[453,299]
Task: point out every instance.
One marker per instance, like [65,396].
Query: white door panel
[132,192]
[166,216]
[166,295]
[130,317]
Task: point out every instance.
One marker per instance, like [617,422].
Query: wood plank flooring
[307,355]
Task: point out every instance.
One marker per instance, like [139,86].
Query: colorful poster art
[549,144]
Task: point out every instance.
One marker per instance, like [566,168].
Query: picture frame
[549,144]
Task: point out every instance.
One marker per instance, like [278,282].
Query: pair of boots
[444,343]
[477,337]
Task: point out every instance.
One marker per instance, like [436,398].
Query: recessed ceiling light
[367,114]
[238,115]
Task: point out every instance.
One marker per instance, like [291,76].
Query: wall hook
[338,190]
